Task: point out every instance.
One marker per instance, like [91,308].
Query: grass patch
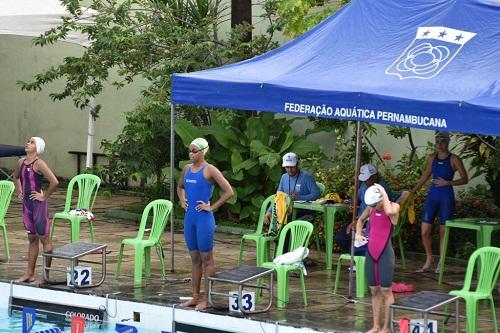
[237,224]
[136,208]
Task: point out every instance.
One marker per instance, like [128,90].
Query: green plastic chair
[88,185]
[300,233]
[142,246]
[255,236]
[361,283]
[487,262]
[261,239]
[6,190]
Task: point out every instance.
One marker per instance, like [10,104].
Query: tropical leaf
[183,163]
[254,128]
[238,176]
[275,175]
[234,198]
[244,191]
[246,165]
[271,160]
[246,212]
[186,131]
[259,147]
[302,147]
[224,136]
[257,201]
[235,208]
[289,140]
[236,160]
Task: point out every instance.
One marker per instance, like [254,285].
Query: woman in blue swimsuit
[195,190]
[441,199]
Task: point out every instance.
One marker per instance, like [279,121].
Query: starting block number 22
[81,275]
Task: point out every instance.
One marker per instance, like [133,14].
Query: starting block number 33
[247,301]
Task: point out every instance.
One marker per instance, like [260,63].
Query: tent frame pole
[89,162]
[355,202]
[172,182]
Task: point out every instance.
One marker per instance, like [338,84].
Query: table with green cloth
[330,212]
[483,226]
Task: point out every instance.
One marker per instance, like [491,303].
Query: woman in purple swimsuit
[379,259]
[28,178]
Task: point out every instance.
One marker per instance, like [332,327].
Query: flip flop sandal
[423,270]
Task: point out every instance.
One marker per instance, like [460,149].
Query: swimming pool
[146,317]
[14,324]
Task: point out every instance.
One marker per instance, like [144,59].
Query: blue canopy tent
[430,64]
[422,63]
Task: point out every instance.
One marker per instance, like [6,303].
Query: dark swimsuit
[35,213]
[440,198]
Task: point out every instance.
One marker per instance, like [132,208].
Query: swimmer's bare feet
[191,302]
[28,278]
[39,281]
[203,305]
[374,330]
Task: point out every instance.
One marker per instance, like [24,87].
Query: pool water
[14,324]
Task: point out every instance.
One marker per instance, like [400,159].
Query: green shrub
[247,148]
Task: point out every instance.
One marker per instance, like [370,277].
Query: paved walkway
[326,311]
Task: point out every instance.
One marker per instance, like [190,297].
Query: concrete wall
[61,124]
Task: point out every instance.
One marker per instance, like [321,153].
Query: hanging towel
[294,257]
[280,207]
[280,213]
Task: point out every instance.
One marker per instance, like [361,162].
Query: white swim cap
[40,144]
[201,143]
[373,195]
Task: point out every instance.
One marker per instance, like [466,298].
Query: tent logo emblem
[432,50]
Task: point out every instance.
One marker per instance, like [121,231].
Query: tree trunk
[241,11]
